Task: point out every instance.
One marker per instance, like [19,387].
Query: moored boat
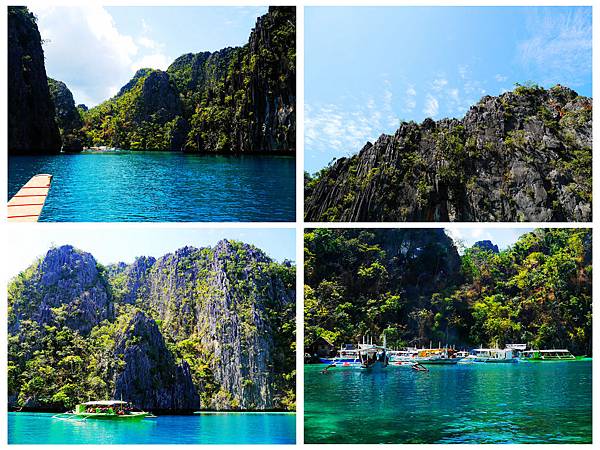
[104,410]
[373,357]
[550,355]
[437,356]
[492,355]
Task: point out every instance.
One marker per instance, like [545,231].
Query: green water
[255,428]
[466,403]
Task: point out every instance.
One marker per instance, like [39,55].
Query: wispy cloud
[560,46]
[500,78]
[410,102]
[340,131]
[439,84]
[432,106]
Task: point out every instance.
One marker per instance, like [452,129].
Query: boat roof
[105,403]
[550,351]
[491,349]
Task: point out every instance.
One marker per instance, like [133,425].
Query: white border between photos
[299,224]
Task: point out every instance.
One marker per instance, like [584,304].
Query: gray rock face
[222,300]
[159,98]
[68,279]
[486,245]
[31,125]
[67,116]
[522,156]
[151,378]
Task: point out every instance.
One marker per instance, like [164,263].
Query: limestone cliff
[68,117]
[209,328]
[522,156]
[31,124]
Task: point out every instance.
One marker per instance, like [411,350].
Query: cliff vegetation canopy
[413,285]
[200,328]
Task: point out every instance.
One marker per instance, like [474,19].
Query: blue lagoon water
[254,428]
[466,403]
[161,186]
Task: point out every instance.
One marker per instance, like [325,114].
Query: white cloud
[342,131]
[559,47]
[500,78]
[410,102]
[432,106]
[439,83]
[85,49]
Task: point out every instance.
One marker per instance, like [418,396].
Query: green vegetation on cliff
[524,155]
[413,285]
[210,328]
[234,100]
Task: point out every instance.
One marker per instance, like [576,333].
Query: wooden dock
[27,204]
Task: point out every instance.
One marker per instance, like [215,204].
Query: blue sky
[368,68]
[502,237]
[110,245]
[96,49]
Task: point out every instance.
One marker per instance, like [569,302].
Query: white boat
[404,357]
[491,355]
[373,357]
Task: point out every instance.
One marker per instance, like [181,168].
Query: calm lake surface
[466,403]
[161,186]
[253,428]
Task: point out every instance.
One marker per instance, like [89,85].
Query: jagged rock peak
[151,378]
[522,156]
[486,245]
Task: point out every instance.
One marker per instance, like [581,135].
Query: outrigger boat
[550,355]
[490,355]
[347,355]
[104,410]
[373,357]
[437,356]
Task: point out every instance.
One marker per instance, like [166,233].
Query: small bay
[125,186]
[467,403]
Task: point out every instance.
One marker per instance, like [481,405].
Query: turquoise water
[467,403]
[161,186]
[41,428]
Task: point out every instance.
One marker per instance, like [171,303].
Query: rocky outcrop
[522,156]
[151,378]
[64,288]
[68,117]
[140,74]
[221,298]
[486,245]
[233,100]
[31,124]
[205,328]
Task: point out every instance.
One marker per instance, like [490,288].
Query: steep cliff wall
[233,100]
[210,327]
[31,124]
[68,117]
[523,156]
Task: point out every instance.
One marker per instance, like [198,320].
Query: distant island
[199,329]
[236,100]
[525,155]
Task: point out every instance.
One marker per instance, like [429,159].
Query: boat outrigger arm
[103,410]
[27,204]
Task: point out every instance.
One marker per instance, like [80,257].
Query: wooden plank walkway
[27,204]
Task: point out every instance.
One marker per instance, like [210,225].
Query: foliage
[538,291]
